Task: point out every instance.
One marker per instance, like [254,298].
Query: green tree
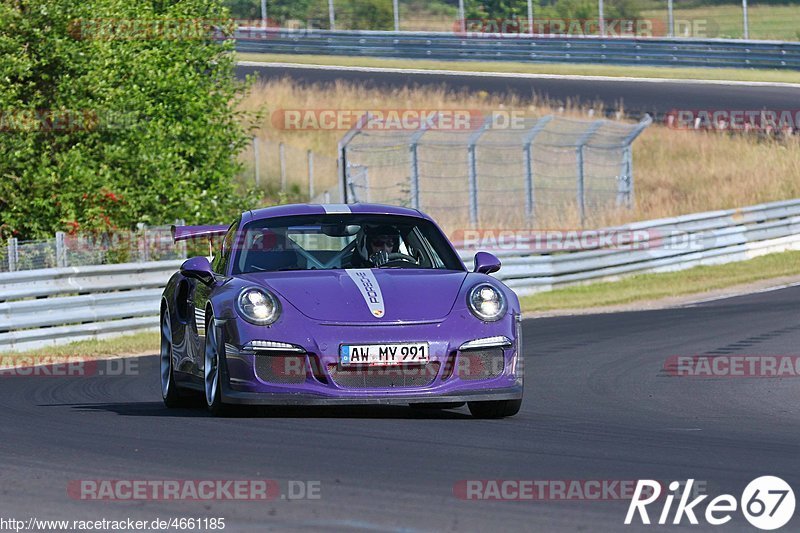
[107,122]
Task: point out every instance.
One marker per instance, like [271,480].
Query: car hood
[376,296]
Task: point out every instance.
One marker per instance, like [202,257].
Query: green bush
[106,125]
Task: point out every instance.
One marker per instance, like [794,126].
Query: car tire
[495,408]
[212,371]
[170,392]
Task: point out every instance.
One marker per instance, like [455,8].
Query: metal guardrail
[710,238]
[57,305]
[54,306]
[497,47]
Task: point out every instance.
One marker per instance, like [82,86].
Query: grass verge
[684,73]
[133,344]
[645,287]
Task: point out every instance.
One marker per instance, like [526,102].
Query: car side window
[220,262]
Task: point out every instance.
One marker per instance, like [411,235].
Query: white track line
[517,75]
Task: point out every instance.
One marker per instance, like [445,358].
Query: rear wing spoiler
[182,233]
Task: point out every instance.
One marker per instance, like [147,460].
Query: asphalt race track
[598,406]
[636,97]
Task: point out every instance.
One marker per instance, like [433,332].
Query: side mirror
[486,263]
[200,269]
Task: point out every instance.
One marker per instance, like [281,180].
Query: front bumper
[264,398]
[312,374]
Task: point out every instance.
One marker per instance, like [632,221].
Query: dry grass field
[676,172]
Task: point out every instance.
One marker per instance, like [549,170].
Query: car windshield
[324,242]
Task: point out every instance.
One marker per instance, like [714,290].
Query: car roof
[333,209]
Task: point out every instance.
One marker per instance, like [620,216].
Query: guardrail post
[282,155]
[61,250]
[310,159]
[527,143]
[472,169]
[13,258]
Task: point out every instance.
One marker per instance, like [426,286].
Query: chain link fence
[146,244]
[487,176]
[281,166]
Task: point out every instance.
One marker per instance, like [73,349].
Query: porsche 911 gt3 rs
[339,304]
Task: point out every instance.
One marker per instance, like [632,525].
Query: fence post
[414,177]
[61,250]
[182,251]
[13,258]
[414,174]
[744,20]
[341,154]
[628,158]
[670,20]
[282,155]
[144,254]
[624,179]
[581,192]
[396,9]
[602,17]
[530,192]
[310,159]
[331,15]
[581,189]
[257,162]
[472,169]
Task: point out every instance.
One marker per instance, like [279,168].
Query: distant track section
[636,96]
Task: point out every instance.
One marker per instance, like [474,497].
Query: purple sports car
[339,304]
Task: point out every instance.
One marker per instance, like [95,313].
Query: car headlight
[486,302]
[258,306]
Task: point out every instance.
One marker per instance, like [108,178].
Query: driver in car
[384,241]
[374,246]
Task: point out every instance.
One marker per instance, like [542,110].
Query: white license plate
[383,354]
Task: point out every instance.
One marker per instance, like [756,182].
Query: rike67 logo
[767,503]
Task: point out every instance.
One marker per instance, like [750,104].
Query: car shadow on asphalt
[157,409]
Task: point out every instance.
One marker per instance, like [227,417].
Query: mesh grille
[384,377]
[281,368]
[480,364]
